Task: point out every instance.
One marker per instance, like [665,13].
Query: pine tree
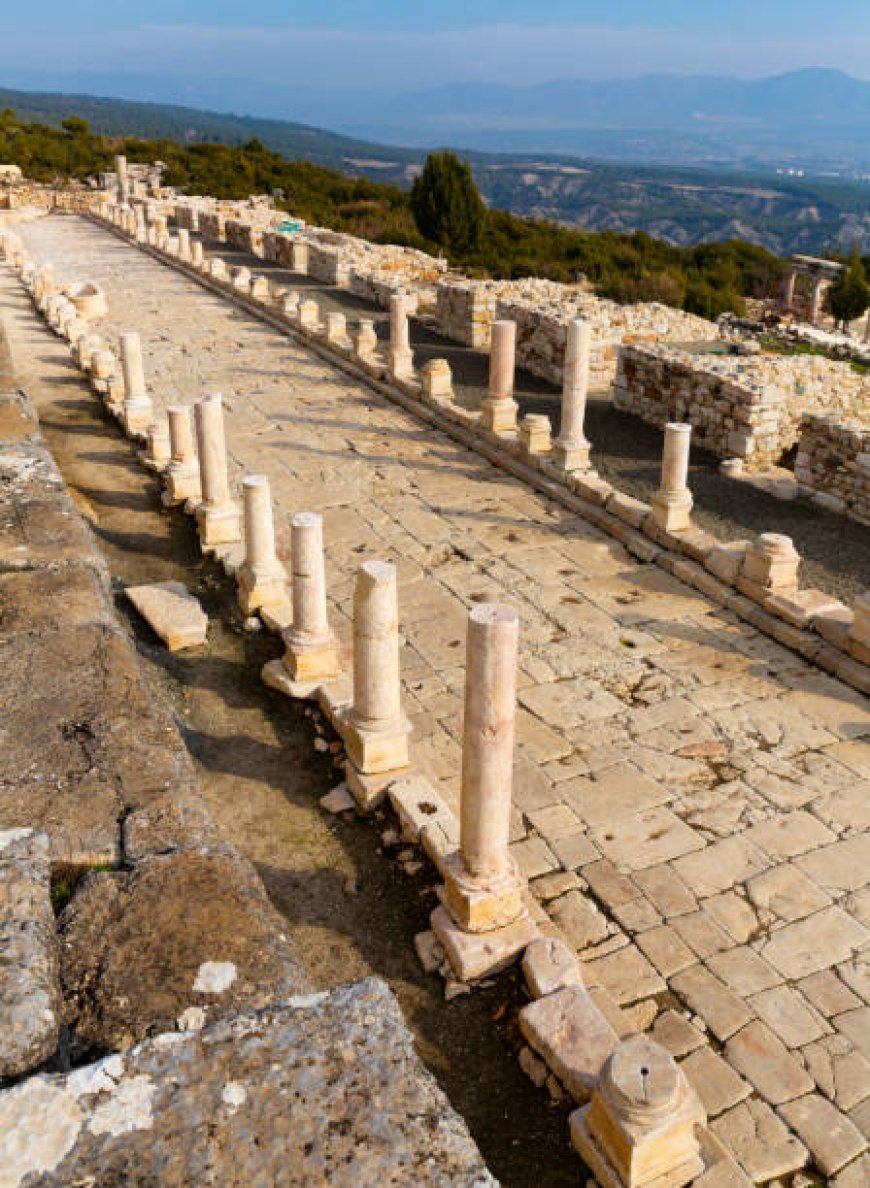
[849,295]
[446,204]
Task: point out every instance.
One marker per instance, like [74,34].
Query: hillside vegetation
[706,279]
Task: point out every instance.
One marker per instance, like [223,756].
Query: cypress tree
[446,204]
[849,295]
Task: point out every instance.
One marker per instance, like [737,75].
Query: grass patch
[66,878]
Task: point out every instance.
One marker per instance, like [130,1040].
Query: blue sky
[423,43]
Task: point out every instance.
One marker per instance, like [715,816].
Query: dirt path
[351,910]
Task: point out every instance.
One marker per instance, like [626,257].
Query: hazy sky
[423,43]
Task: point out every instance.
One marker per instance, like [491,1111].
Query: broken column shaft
[499,409]
[401,355]
[217,516]
[672,503]
[261,579]
[138,410]
[571,449]
[375,731]
[182,473]
[483,885]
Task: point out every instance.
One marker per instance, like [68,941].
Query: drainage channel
[353,899]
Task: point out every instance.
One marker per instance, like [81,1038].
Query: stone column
[640,1125]
[788,290]
[159,452]
[365,341]
[217,516]
[309,315]
[123,178]
[499,410]
[436,380]
[482,883]
[374,729]
[299,257]
[184,244]
[138,411]
[672,503]
[770,566]
[261,579]
[311,650]
[867,329]
[197,255]
[401,356]
[182,474]
[336,329]
[819,287]
[571,449]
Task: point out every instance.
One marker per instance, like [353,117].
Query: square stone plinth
[571,1034]
[605,1173]
[369,791]
[481,908]
[375,751]
[477,955]
[277,675]
[218,525]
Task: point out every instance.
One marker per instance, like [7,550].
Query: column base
[606,1174]
[499,415]
[256,590]
[672,512]
[278,676]
[182,483]
[138,417]
[375,750]
[479,905]
[571,455]
[402,365]
[371,790]
[477,955]
[304,667]
[218,525]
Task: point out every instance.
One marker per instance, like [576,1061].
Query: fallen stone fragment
[429,951]
[325,1089]
[549,965]
[172,613]
[570,1033]
[339,800]
[30,1000]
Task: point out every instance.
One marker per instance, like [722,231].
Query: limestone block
[771,564]
[478,955]
[30,997]
[535,434]
[364,1109]
[417,804]
[89,300]
[172,612]
[436,380]
[571,1034]
[548,966]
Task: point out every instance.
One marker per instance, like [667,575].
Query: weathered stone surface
[759,1141]
[573,1037]
[30,1001]
[324,1089]
[549,965]
[766,1063]
[133,943]
[172,612]
[716,1083]
[832,1139]
[475,955]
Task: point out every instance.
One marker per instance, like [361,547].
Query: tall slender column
[261,579]
[374,729]
[401,355]
[311,650]
[184,244]
[819,287]
[138,410]
[123,179]
[197,256]
[159,452]
[499,410]
[217,516]
[788,290]
[571,449]
[483,885]
[182,474]
[672,503]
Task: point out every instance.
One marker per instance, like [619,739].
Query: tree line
[443,212]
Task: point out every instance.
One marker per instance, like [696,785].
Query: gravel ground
[627,452]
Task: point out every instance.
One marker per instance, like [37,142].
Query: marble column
[311,656]
[817,299]
[197,255]
[374,729]
[571,449]
[499,409]
[217,516]
[401,356]
[184,244]
[123,178]
[138,411]
[483,886]
[788,290]
[182,473]
[261,580]
[672,503]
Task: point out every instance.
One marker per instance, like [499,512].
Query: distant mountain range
[813,119]
[682,205]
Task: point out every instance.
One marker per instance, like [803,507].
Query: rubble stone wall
[76,201]
[834,463]
[465,312]
[244,237]
[748,407]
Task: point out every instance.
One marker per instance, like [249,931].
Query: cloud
[399,59]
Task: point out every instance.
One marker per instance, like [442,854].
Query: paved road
[701,793]
[627,452]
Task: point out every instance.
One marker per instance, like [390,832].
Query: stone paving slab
[714,776]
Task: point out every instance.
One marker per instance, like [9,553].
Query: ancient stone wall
[833,462]
[747,407]
[77,201]
[465,312]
